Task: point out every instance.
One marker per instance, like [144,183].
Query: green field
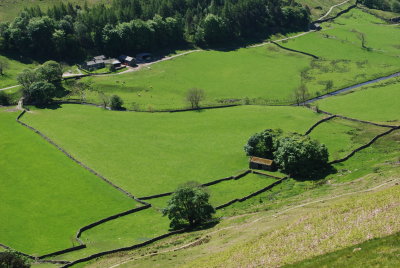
[379,252]
[342,136]
[379,103]
[167,149]
[45,196]
[343,60]
[267,74]
[224,76]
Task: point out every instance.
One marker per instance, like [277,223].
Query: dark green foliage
[263,144]
[4,99]
[66,31]
[10,259]
[189,205]
[39,93]
[300,156]
[50,71]
[116,102]
[388,5]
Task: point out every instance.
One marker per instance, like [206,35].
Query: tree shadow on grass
[318,174]
[190,229]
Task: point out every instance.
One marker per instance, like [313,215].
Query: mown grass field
[267,74]
[378,252]
[166,149]
[46,197]
[379,103]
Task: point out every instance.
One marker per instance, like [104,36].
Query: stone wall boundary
[338,14]
[269,187]
[36,259]
[294,50]
[239,176]
[318,123]
[135,246]
[364,146]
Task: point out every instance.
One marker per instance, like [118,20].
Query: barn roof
[263,161]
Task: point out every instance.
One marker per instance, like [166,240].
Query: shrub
[300,156]
[116,102]
[4,99]
[263,144]
[189,205]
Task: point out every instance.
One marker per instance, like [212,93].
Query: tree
[3,66]
[104,99]
[189,205]
[27,77]
[194,96]
[263,144]
[116,102]
[39,93]
[301,94]
[12,259]
[50,71]
[300,156]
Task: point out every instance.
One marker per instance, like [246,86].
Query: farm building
[262,163]
[144,57]
[130,61]
[99,62]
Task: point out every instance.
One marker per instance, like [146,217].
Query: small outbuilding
[262,163]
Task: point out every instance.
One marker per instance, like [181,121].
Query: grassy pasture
[42,190]
[342,136]
[319,8]
[10,74]
[267,74]
[379,103]
[167,149]
[144,225]
[343,59]
[234,75]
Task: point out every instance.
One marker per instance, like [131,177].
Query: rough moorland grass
[319,8]
[342,136]
[344,223]
[343,60]
[379,103]
[151,153]
[46,197]
[379,252]
[261,72]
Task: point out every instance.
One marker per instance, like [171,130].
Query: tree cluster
[66,31]
[40,84]
[296,155]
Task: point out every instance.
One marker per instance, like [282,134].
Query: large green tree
[189,205]
[39,93]
[10,259]
[263,144]
[300,156]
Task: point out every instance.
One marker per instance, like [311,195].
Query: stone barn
[262,163]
